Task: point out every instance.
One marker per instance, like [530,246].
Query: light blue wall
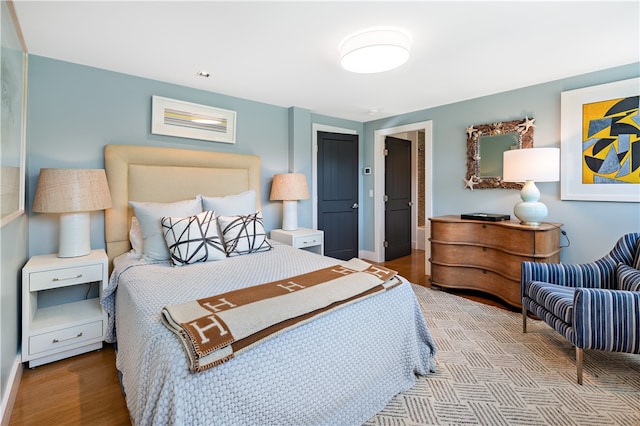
[74,111]
[13,256]
[592,227]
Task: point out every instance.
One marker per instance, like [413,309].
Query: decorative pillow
[628,278]
[636,257]
[243,203]
[193,239]
[135,236]
[243,234]
[149,215]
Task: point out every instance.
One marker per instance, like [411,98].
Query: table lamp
[73,193]
[289,188]
[530,165]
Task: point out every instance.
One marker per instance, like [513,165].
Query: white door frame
[315,128]
[378,186]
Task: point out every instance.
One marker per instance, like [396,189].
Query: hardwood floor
[84,390]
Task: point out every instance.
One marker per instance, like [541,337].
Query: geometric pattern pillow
[628,278]
[193,239]
[243,234]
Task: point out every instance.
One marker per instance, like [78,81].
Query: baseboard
[368,255]
[10,396]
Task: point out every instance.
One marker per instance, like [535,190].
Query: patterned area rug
[490,373]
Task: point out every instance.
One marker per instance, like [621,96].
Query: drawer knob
[68,278]
[68,338]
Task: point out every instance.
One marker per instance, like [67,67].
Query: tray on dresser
[488,217]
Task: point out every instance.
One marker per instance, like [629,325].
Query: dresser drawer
[478,257]
[484,234]
[63,277]
[65,337]
[477,279]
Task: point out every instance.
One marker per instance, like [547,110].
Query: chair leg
[524,319]
[579,353]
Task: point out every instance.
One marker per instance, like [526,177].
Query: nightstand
[307,239]
[60,329]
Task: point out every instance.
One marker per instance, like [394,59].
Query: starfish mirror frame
[522,132]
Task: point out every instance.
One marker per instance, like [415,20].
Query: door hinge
[386,244]
[386,198]
[386,152]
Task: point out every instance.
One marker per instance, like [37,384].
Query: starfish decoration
[470,131]
[468,183]
[528,122]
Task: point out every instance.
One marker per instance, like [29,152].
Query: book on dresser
[486,256]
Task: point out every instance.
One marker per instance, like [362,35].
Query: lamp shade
[289,186]
[73,193]
[530,165]
[71,190]
[536,164]
[374,51]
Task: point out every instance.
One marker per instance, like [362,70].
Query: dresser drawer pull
[68,278]
[68,338]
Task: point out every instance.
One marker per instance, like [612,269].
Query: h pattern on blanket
[215,328]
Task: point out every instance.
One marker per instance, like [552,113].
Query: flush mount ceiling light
[374,51]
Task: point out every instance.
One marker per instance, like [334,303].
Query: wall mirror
[485,145]
[13,76]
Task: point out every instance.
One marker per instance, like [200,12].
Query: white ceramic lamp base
[289,215]
[75,235]
[530,211]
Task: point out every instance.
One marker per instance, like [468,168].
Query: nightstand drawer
[62,277]
[65,337]
[307,241]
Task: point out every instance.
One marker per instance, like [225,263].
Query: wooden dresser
[486,256]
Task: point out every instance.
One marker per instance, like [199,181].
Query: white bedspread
[340,369]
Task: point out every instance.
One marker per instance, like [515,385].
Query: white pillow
[135,236]
[243,234]
[149,215]
[193,239]
[231,205]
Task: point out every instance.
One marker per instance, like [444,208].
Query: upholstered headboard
[139,173]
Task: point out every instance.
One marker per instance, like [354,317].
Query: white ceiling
[287,53]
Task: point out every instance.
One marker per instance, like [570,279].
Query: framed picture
[600,142]
[14,115]
[187,120]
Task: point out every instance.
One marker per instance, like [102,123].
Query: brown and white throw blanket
[213,329]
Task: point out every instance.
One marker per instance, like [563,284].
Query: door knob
[354,206]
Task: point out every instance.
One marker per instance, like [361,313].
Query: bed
[341,368]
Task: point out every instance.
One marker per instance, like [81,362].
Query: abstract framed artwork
[600,142]
[188,120]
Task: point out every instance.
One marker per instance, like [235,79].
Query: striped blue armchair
[593,305]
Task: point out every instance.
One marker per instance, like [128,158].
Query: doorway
[379,186]
[398,200]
